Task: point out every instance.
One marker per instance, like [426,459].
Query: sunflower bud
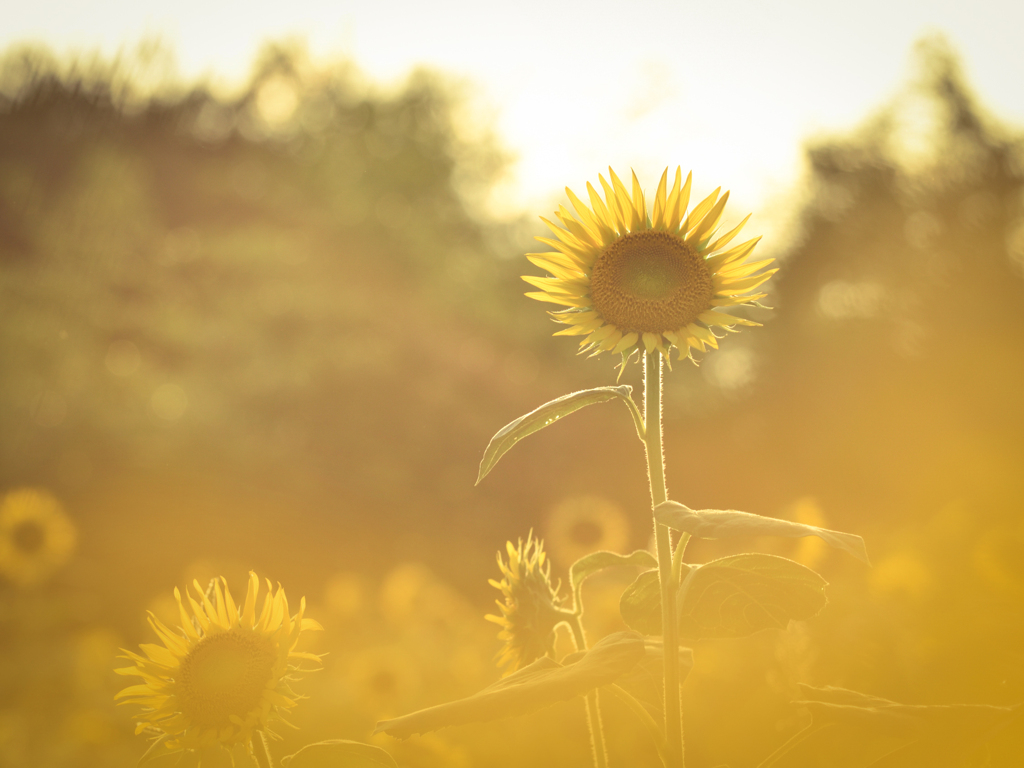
[531,608]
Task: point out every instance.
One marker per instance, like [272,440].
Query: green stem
[659,494]
[264,757]
[677,558]
[597,746]
[638,420]
[641,712]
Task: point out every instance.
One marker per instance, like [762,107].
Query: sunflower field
[261,357]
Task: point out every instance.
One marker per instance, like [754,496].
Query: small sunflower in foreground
[630,278]
[531,609]
[224,674]
[36,537]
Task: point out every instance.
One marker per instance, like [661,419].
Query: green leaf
[339,753]
[590,564]
[742,594]
[855,730]
[640,604]
[645,680]
[547,414]
[722,523]
[533,687]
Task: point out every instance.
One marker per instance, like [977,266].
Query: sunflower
[531,609]
[224,674]
[660,279]
[36,537]
[579,525]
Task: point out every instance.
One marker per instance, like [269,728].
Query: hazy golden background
[270,333]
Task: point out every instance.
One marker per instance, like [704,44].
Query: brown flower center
[225,674]
[28,537]
[650,282]
[586,532]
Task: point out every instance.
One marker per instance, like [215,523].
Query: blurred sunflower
[224,674]
[36,537]
[531,609]
[629,278]
[384,680]
[579,525]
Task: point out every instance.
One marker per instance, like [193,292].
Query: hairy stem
[659,494]
[263,757]
[644,716]
[600,752]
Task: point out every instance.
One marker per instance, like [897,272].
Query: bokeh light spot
[123,358]
[169,402]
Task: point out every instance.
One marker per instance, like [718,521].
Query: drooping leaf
[855,730]
[742,594]
[590,564]
[544,416]
[723,523]
[533,687]
[339,753]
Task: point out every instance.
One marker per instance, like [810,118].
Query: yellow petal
[611,342]
[311,625]
[229,606]
[733,301]
[567,237]
[589,218]
[737,254]
[607,218]
[703,334]
[658,214]
[561,259]
[556,268]
[222,614]
[249,609]
[573,317]
[700,210]
[601,334]
[174,643]
[627,206]
[639,204]
[720,318]
[653,341]
[582,234]
[677,202]
[728,236]
[620,217]
[579,330]
[186,621]
[159,654]
[732,287]
[737,269]
[583,256]
[710,221]
[561,299]
[198,612]
[557,285]
[625,342]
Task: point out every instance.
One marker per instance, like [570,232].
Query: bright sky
[730,89]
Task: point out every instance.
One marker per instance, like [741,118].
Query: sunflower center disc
[28,537]
[224,675]
[650,282]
